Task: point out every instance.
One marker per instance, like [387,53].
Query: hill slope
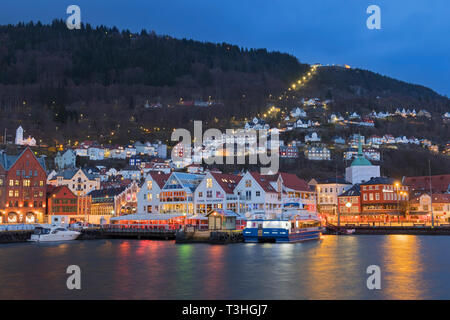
[93,83]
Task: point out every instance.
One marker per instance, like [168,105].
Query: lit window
[209,183]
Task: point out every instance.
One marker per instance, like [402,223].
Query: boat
[43,233]
[294,225]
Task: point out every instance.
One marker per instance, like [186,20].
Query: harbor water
[412,267]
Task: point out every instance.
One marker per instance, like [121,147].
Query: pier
[117,232]
[15,236]
[206,236]
[367,229]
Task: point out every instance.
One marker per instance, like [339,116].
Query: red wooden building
[384,196]
[62,205]
[22,188]
[349,202]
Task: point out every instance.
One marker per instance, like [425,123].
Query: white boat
[53,233]
[294,225]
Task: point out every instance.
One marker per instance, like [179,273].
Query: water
[412,267]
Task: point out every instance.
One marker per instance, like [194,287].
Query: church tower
[361,169]
[19,135]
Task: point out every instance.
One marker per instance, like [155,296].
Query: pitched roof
[379,180]
[110,192]
[226,181]
[69,173]
[159,178]
[352,192]
[291,181]
[264,181]
[54,190]
[440,183]
[7,161]
[332,181]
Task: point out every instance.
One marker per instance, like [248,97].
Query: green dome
[361,161]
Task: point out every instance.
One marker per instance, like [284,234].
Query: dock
[384,230]
[15,236]
[207,236]
[127,233]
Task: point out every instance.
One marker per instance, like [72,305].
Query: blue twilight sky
[413,44]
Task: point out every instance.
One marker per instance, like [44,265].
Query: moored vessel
[43,233]
[294,225]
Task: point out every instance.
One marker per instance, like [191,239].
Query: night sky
[412,45]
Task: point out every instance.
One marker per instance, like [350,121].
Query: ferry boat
[44,233]
[294,225]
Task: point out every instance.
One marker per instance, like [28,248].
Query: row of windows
[64,201]
[15,204]
[23,173]
[26,194]
[68,209]
[386,187]
[386,196]
[25,183]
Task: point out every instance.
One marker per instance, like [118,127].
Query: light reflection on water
[332,268]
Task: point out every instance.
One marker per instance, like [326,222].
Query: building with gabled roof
[421,206]
[149,192]
[349,202]
[216,191]
[22,188]
[79,181]
[421,184]
[257,193]
[177,195]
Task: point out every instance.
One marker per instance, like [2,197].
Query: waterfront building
[328,192]
[62,205]
[149,192]
[421,184]
[126,201]
[384,196]
[177,195]
[349,202]
[421,206]
[293,189]
[79,181]
[216,191]
[258,192]
[22,187]
[65,160]
[361,169]
[103,204]
[222,220]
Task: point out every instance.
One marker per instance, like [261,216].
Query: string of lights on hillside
[301,82]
